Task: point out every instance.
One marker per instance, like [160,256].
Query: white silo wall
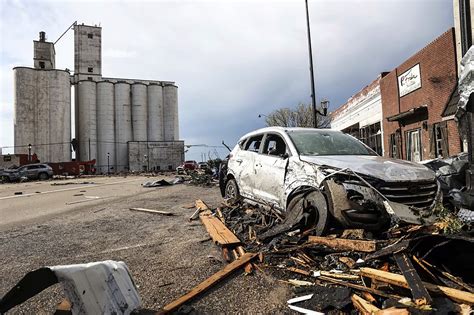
[105,127]
[170,112]
[86,120]
[155,112]
[59,116]
[42,116]
[123,124]
[42,113]
[24,109]
[139,112]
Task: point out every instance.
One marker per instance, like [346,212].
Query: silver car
[39,171]
[315,175]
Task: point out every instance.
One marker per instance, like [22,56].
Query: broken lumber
[393,311]
[227,270]
[399,280]
[152,211]
[418,290]
[363,306]
[344,244]
[360,288]
[217,230]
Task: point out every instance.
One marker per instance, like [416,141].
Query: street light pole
[313,93]
[108,163]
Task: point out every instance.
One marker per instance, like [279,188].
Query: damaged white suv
[313,175]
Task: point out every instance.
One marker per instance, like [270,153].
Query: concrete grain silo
[105,127]
[123,124]
[86,119]
[170,112]
[128,124]
[42,108]
[139,111]
[155,112]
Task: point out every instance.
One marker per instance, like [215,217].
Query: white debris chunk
[304,310]
[300,299]
[104,287]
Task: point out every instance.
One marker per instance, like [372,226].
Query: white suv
[316,174]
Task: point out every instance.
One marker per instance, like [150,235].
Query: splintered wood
[217,230]
[221,274]
[399,280]
[344,244]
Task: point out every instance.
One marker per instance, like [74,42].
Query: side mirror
[285,156]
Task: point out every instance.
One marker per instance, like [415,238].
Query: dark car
[39,171]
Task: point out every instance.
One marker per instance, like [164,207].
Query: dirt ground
[167,255]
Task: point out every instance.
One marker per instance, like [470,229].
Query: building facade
[361,116]
[415,99]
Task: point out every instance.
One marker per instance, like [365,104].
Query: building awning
[409,113]
[452,104]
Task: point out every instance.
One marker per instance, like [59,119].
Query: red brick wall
[438,80]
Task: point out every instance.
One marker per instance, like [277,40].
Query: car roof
[284,129]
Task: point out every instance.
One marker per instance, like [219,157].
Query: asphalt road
[48,198]
[166,255]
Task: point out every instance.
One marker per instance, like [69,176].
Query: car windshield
[317,142]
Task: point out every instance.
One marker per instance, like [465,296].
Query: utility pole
[313,93]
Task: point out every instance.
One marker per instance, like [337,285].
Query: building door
[414,145]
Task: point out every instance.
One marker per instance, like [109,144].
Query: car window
[253,144]
[32,167]
[317,142]
[274,145]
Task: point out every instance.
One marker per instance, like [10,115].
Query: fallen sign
[236,264]
[152,211]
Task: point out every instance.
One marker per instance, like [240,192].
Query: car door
[242,165]
[269,169]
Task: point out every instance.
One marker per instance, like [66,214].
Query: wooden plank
[360,288]
[418,290]
[344,244]
[363,306]
[399,280]
[217,230]
[221,274]
[152,211]
[393,311]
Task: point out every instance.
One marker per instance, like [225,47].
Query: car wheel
[43,176]
[315,211]
[5,179]
[232,190]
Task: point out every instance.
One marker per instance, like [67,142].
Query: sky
[232,60]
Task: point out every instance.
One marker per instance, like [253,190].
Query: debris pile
[411,268]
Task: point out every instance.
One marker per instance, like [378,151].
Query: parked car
[39,171]
[315,175]
[190,165]
[203,166]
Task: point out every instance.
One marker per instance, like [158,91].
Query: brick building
[361,116]
[416,98]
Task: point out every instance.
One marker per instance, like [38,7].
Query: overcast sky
[231,60]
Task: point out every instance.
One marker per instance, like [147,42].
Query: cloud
[232,60]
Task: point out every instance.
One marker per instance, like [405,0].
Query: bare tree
[301,116]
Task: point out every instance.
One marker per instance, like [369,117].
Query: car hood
[387,169]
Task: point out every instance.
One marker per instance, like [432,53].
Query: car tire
[231,190]
[43,176]
[5,179]
[315,211]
